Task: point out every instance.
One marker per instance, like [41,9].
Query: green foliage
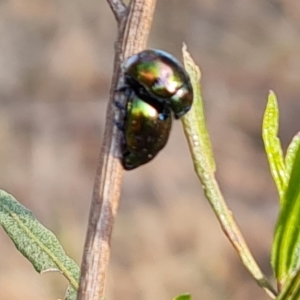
[200,147]
[286,174]
[183,297]
[273,145]
[194,122]
[38,244]
[285,256]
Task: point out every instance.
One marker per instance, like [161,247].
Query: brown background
[55,69]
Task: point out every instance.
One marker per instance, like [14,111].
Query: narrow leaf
[38,244]
[291,152]
[201,151]
[291,290]
[273,145]
[202,145]
[183,297]
[71,293]
[286,245]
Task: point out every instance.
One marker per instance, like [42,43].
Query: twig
[133,31]
[118,8]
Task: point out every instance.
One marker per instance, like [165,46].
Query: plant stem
[134,24]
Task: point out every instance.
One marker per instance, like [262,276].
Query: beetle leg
[120,106]
[119,125]
[123,88]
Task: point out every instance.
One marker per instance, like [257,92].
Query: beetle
[159,79]
[145,132]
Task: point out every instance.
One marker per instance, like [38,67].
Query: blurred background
[55,70]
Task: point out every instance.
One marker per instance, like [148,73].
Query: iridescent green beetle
[156,76]
[146,132]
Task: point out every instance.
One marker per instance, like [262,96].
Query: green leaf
[200,147]
[291,153]
[194,120]
[38,244]
[183,297]
[286,245]
[291,290]
[71,293]
[273,145]
[286,174]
